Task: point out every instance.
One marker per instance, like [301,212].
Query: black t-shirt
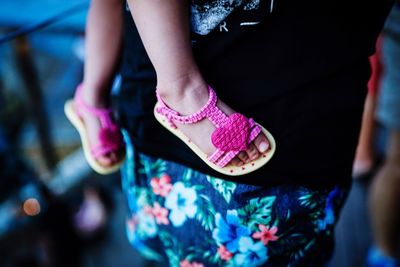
[299,68]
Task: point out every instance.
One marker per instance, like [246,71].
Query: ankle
[92,97]
[180,83]
[186,94]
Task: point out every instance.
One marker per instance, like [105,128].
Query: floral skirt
[184,218]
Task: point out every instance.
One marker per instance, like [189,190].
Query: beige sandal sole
[73,117]
[230,169]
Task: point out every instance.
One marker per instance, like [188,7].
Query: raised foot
[199,131]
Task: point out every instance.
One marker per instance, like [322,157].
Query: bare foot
[191,100]
[93,128]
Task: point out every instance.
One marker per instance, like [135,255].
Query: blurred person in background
[365,160]
[385,191]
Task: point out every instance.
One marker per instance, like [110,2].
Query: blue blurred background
[53,210]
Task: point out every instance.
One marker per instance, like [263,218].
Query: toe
[237,162]
[262,143]
[243,157]
[113,157]
[252,152]
[105,161]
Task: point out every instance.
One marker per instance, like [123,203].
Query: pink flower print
[161,186]
[148,210]
[186,263]
[224,253]
[266,234]
[160,214]
[131,223]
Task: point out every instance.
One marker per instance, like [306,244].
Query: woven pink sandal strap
[104,114]
[217,116]
[101,150]
[227,157]
[110,141]
[230,155]
[214,157]
[255,131]
[209,110]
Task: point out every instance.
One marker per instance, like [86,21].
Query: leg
[103,42]
[179,81]
[384,199]
[364,159]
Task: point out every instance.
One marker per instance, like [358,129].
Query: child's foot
[190,101]
[93,128]
[101,138]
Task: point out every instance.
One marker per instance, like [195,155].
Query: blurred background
[54,211]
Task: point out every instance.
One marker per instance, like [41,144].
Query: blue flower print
[329,218]
[181,201]
[228,233]
[251,254]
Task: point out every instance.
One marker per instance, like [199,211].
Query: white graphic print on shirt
[207,15]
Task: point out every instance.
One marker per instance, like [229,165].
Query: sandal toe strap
[103,114]
[227,158]
[222,158]
[102,150]
[110,138]
[110,141]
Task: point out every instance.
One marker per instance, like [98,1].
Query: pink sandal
[232,134]
[109,136]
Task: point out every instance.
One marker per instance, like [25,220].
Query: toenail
[263,147]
